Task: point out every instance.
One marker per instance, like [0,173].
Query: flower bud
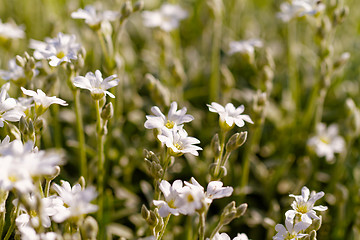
[241,210]
[20,61]
[23,126]
[313,235]
[341,61]
[152,220]
[54,175]
[215,146]
[39,124]
[138,6]
[145,213]
[236,141]
[107,112]
[317,223]
[126,10]
[89,228]
[31,129]
[82,182]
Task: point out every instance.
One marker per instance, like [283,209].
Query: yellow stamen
[169,124]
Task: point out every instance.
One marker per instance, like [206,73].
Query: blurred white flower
[290,231]
[96,84]
[63,48]
[28,233]
[166,18]
[327,142]
[174,118]
[304,207]
[178,141]
[8,107]
[173,198]
[14,73]
[224,236]
[229,116]
[299,8]
[214,190]
[245,46]
[11,31]
[42,102]
[93,17]
[21,163]
[76,201]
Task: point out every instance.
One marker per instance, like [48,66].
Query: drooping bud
[89,228]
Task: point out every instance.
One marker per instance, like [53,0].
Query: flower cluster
[301,217]
[172,133]
[63,48]
[188,197]
[9,107]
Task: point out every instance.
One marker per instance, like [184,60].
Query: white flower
[11,31]
[304,207]
[63,48]
[245,46]
[178,141]
[194,199]
[214,190]
[96,84]
[291,231]
[93,17]
[174,117]
[224,236]
[14,73]
[229,116]
[28,233]
[327,142]
[42,102]
[76,201]
[173,198]
[299,8]
[167,17]
[21,163]
[8,108]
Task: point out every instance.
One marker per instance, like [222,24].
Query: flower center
[171,203]
[290,236]
[169,124]
[190,198]
[302,209]
[60,54]
[12,178]
[32,213]
[178,145]
[325,140]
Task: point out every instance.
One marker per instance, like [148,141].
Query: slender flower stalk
[101,163]
[164,228]
[81,136]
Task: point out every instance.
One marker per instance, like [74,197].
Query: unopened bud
[215,146]
[138,6]
[236,141]
[126,10]
[342,60]
[54,175]
[31,128]
[27,56]
[23,126]
[317,223]
[82,182]
[89,228]
[20,61]
[241,209]
[313,235]
[107,112]
[39,124]
[145,213]
[152,220]
[160,225]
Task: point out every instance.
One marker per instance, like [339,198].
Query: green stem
[101,169]
[12,225]
[292,65]
[104,48]
[164,228]
[41,189]
[80,133]
[202,226]
[217,229]
[215,59]
[47,187]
